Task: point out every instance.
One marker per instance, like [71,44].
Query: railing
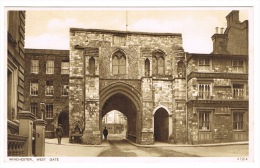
[16,145]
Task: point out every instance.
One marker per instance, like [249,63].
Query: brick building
[166,94]
[217,87]
[47,87]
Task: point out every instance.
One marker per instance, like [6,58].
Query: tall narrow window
[49,110]
[204,91]
[65,90]
[34,109]
[238,66]
[158,63]
[204,120]
[147,67]
[65,68]
[204,64]
[92,66]
[49,89]
[119,63]
[238,91]
[50,67]
[238,121]
[35,66]
[34,89]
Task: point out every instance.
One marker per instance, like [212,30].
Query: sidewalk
[65,141]
[164,144]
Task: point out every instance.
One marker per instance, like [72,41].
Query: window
[92,66]
[204,64]
[158,63]
[147,67]
[65,68]
[204,120]
[34,109]
[238,121]
[49,88]
[50,67]
[119,63]
[204,91]
[35,66]
[119,40]
[34,89]
[238,66]
[65,90]
[49,110]
[238,91]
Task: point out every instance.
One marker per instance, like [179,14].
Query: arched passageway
[122,103]
[116,124]
[161,125]
[63,119]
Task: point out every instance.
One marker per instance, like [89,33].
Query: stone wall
[15,51]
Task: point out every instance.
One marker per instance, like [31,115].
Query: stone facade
[57,103]
[15,65]
[146,91]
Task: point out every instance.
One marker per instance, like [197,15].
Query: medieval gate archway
[125,99]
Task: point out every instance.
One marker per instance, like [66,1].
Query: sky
[49,28]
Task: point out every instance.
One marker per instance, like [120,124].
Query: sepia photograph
[134,83]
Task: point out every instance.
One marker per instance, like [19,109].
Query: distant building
[115,122]
[47,87]
[217,87]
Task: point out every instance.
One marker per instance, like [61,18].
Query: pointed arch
[119,62]
[158,57]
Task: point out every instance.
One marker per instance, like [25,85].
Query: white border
[154,162]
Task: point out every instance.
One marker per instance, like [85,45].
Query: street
[117,147]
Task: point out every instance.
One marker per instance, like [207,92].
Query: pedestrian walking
[59,133]
[105,132]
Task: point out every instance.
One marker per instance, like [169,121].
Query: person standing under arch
[105,132]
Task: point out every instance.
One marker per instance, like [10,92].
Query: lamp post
[42,110]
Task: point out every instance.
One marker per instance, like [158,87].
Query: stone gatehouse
[142,75]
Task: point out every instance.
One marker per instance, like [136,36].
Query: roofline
[125,32]
[190,55]
[46,51]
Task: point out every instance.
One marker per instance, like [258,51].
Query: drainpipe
[84,87]
[186,107]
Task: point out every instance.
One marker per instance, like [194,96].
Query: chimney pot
[216,30]
[222,30]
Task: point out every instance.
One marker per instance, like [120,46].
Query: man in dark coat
[105,132]
[59,133]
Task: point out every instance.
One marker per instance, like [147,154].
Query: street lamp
[42,109]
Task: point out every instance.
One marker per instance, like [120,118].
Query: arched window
[119,63]
[158,63]
[147,67]
[92,66]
